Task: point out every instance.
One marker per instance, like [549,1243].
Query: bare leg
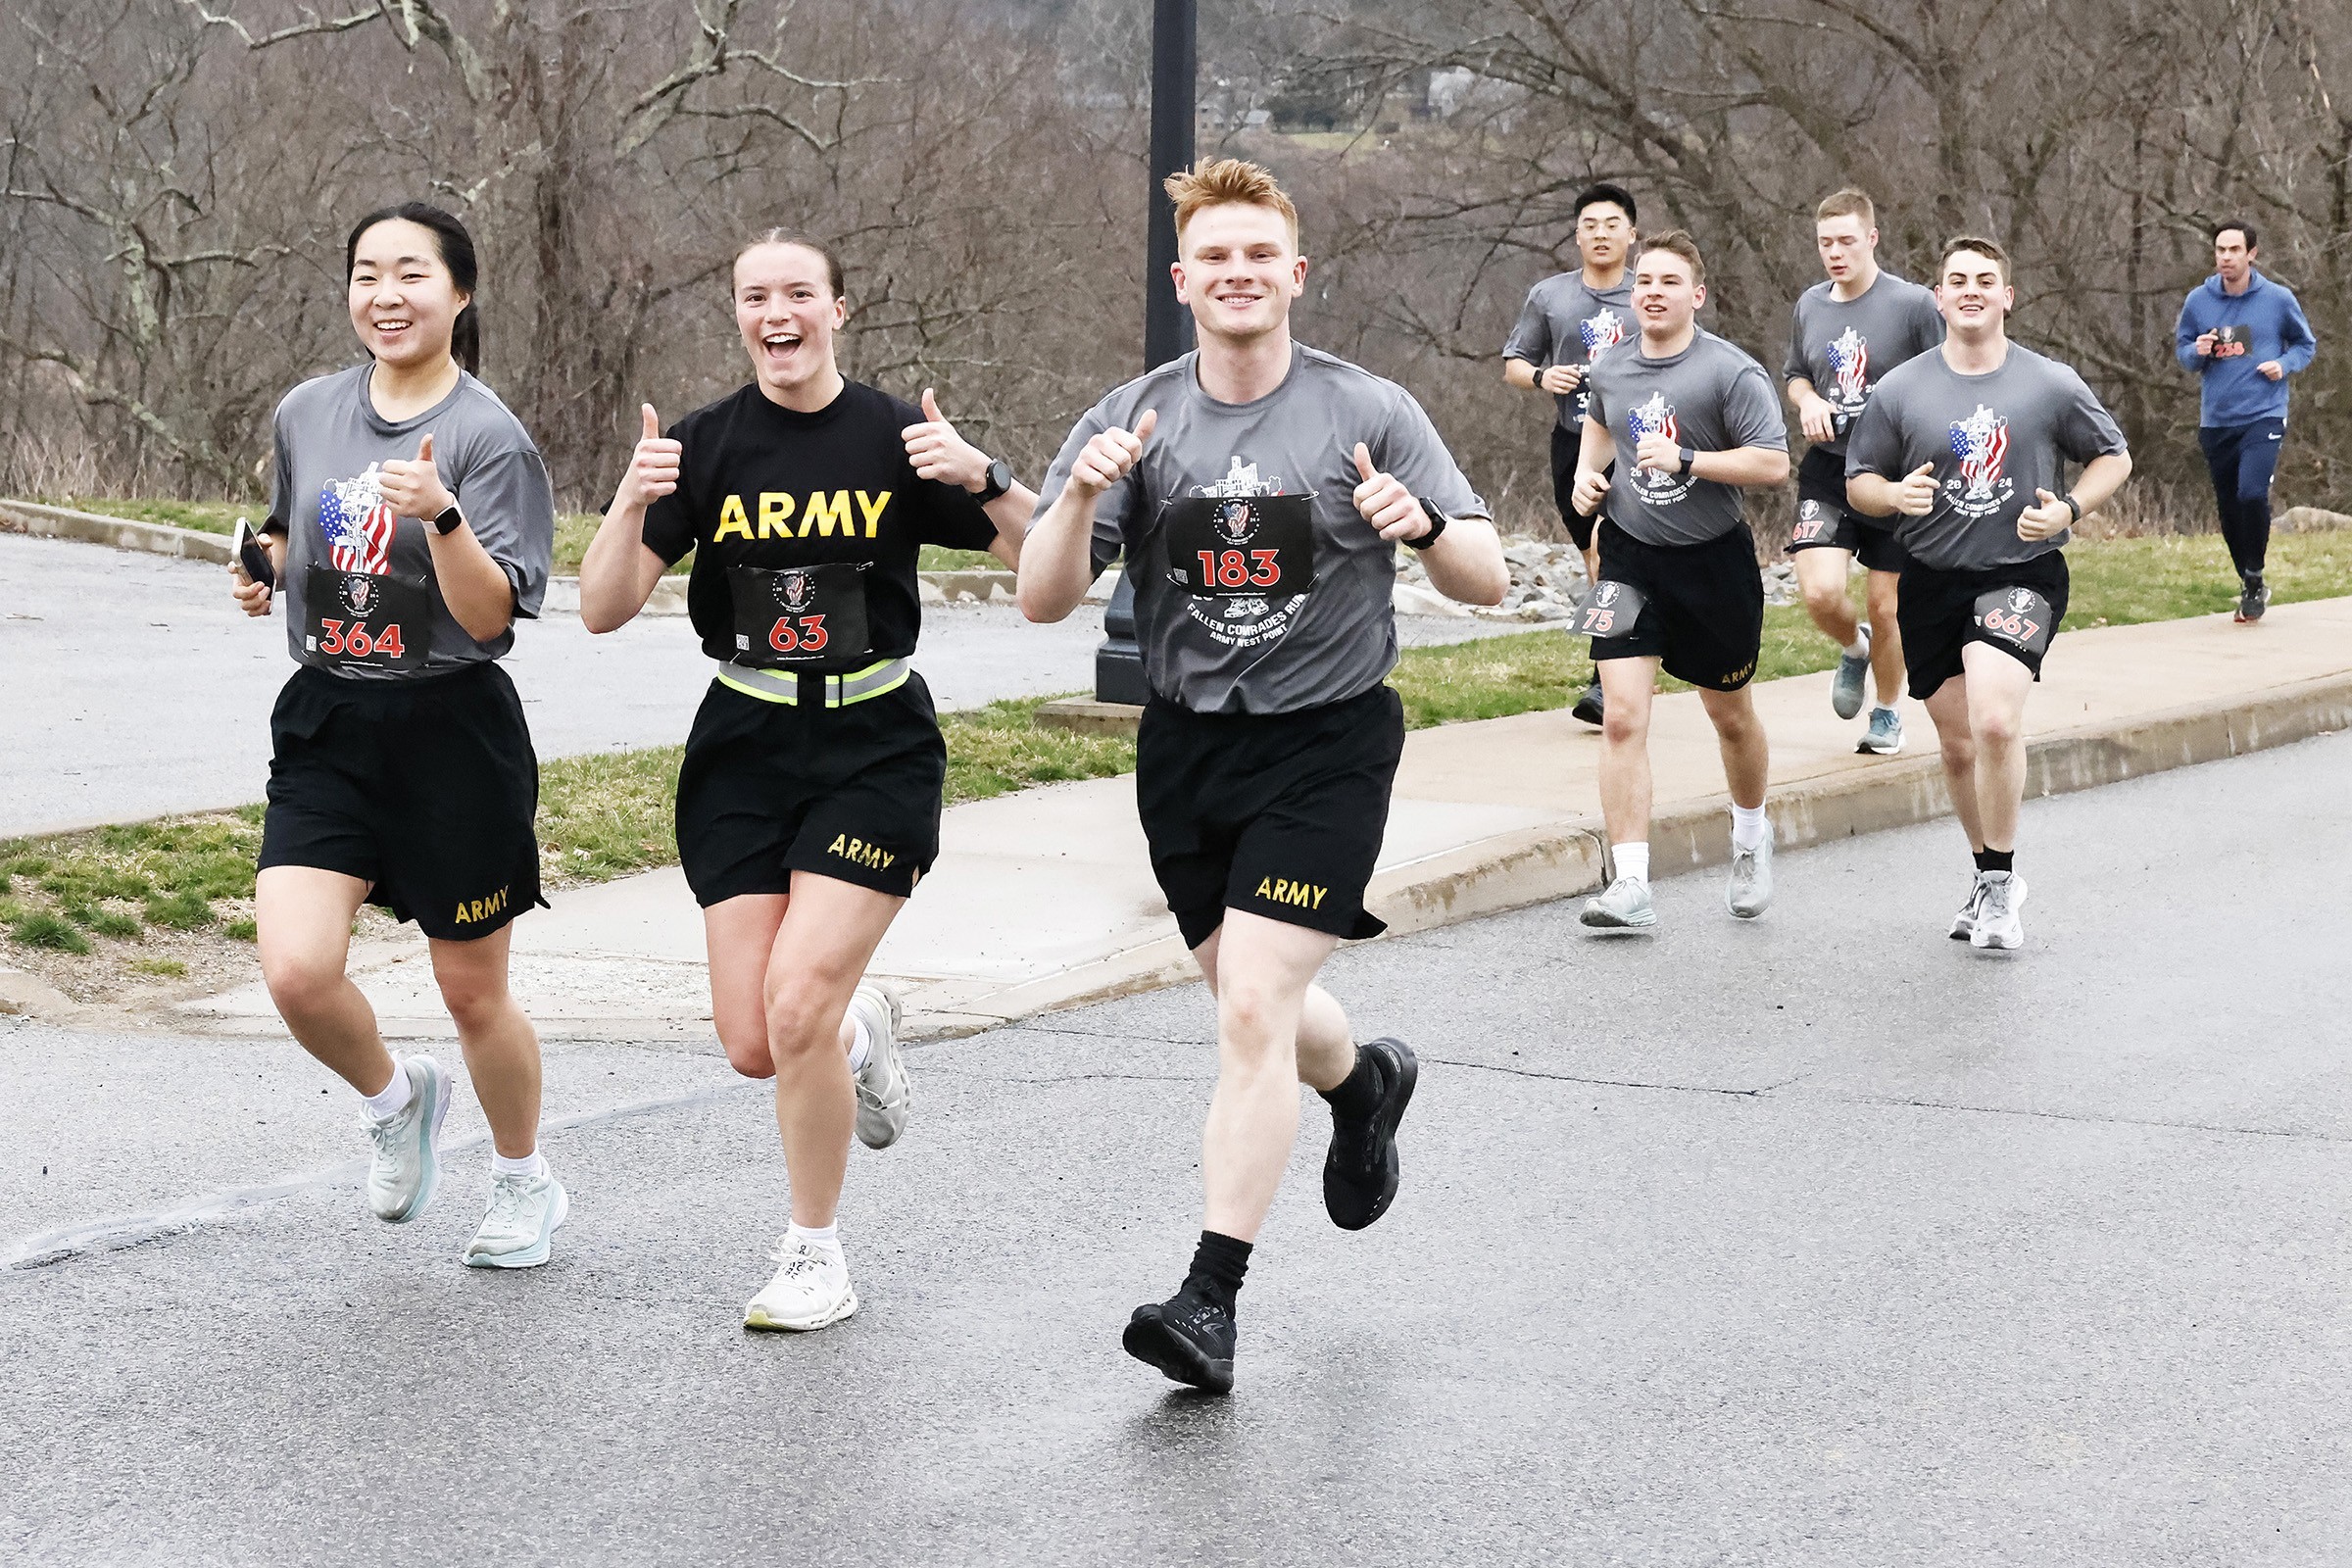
[303,916]
[502,1049]
[1886,637]
[1821,574]
[1997,685]
[1627,689]
[1264,969]
[1739,736]
[1948,707]
[1592,555]
[1326,1045]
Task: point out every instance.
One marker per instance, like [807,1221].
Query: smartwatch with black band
[1000,481]
[1437,524]
[448,520]
[2073,506]
[1688,457]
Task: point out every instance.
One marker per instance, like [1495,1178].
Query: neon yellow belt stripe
[784,685]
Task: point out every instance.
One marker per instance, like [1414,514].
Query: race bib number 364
[366,619]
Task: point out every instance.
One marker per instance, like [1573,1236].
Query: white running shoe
[883,1090]
[520,1224]
[1997,925]
[811,1290]
[407,1164]
[1622,905]
[1748,894]
[1964,924]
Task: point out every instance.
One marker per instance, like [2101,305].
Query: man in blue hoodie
[2244,335]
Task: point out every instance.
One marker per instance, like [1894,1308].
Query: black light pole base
[1119,662]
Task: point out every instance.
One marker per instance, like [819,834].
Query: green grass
[168,968]
[181,912]
[55,932]
[173,868]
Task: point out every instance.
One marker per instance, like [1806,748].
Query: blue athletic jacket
[2271,326]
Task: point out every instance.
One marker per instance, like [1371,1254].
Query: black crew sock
[1996,859]
[1356,1096]
[1218,1264]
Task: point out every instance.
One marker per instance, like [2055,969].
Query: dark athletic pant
[2242,459]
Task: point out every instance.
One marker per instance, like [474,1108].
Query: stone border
[88,527]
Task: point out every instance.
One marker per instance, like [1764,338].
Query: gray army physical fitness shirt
[330,441]
[1567,321]
[1846,347]
[1711,397]
[1994,439]
[1274,654]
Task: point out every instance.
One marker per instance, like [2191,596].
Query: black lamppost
[1167,325]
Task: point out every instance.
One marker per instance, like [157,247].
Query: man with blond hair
[1966,449]
[1673,432]
[1850,330]
[1259,489]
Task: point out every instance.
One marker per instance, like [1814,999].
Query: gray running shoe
[883,1090]
[1749,892]
[519,1229]
[407,1165]
[1587,707]
[1964,924]
[1845,692]
[2253,597]
[1997,925]
[1622,905]
[1884,737]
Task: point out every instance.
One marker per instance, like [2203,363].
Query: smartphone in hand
[253,557]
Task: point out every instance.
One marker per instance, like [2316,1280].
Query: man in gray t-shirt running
[1966,449]
[1260,490]
[1850,331]
[1689,420]
[1572,322]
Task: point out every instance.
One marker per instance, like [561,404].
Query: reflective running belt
[788,686]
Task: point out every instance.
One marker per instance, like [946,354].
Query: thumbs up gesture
[939,453]
[652,466]
[2051,517]
[412,487]
[1109,455]
[1385,503]
[1915,496]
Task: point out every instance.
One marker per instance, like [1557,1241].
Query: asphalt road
[129,687]
[1817,1241]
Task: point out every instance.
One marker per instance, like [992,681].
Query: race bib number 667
[2019,617]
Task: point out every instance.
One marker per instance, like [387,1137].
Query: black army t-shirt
[777,491]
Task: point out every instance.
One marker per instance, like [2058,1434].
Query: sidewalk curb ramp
[88,527]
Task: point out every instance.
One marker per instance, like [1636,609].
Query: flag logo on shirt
[1601,333]
[358,525]
[1653,418]
[1981,442]
[1849,361]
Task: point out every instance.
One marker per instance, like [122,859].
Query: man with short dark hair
[2243,336]
[1675,428]
[1570,320]
[1850,331]
[1966,448]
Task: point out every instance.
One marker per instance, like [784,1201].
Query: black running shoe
[1188,1337]
[2254,597]
[1359,1174]
[1587,707]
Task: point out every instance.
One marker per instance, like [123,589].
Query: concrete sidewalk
[1045,898]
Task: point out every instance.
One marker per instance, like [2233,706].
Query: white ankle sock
[826,1237]
[530,1164]
[1747,826]
[1859,648]
[393,1099]
[862,1048]
[1633,859]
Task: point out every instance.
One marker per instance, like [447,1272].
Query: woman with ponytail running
[410,525]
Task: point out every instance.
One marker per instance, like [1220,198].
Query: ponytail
[457,254]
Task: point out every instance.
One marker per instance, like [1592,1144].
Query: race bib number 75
[1608,611]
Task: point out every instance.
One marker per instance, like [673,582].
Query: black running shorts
[1824,521]
[1937,611]
[1276,814]
[423,787]
[1564,447]
[770,787]
[1705,615]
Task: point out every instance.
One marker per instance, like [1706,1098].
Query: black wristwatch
[1688,457]
[1437,524]
[2073,506]
[1000,481]
[448,520]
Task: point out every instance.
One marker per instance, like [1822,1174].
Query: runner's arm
[2102,476]
[619,570]
[479,594]
[1010,512]
[1750,467]
[1057,556]
[1596,449]
[1466,562]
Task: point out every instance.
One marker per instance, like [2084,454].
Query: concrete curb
[1564,859]
[88,527]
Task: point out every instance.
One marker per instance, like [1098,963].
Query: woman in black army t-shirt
[809,803]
